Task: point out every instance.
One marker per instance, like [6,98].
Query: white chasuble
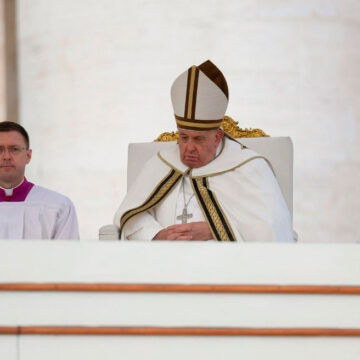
[237,194]
[44,214]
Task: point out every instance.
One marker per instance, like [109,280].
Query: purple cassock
[19,193]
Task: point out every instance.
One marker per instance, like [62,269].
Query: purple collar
[19,193]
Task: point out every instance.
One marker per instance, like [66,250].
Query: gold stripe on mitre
[194,124]
[191,93]
[198,125]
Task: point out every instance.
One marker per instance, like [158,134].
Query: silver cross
[184,216]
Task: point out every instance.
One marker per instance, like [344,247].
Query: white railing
[178,300]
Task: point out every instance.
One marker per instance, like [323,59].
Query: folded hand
[190,231]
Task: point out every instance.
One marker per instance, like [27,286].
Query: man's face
[12,163]
[197,148]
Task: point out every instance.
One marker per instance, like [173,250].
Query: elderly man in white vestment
[208,186]
[29,211]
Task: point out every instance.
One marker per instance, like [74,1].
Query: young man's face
[198,148]
[13,158]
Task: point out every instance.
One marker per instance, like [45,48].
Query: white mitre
[200,97]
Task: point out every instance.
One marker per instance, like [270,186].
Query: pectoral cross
[184,216]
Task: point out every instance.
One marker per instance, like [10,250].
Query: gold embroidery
[223,215]
[158,194]
[213,217]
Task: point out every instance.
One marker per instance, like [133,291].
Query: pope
[208,186]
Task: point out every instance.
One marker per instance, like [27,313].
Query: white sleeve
[66,225]
[141,227]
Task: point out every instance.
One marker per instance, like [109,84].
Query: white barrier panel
[8,347]
[178,348]
[71,300]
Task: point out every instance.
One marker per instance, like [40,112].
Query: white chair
[278,150]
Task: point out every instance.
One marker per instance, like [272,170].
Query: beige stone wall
[95,75]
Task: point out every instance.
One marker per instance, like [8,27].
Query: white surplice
[45,214]
[243,183]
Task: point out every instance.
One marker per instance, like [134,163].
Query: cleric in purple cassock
[29,211]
